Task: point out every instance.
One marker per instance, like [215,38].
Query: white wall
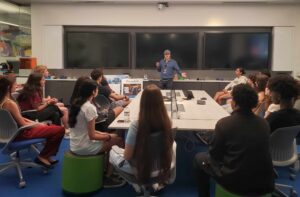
[44,15]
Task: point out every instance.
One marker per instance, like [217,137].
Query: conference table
[194,117]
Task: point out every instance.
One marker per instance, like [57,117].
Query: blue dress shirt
[167,69]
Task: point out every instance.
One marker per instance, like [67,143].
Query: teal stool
[221,192]
[82,174]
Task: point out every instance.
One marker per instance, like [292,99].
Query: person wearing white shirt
[84,139]
[226,92]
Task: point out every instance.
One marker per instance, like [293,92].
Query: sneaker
[110,182]
[67,134]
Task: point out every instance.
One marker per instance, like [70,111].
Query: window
[150,47]
[231,50]
[96,49]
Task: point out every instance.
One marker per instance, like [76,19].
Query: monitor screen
[150,48]
[14,65]
[230,50]
[96,49]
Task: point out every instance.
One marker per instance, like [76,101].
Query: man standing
[166,67]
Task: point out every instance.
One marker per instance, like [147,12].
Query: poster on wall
[131,87]
[14,41]
[114,82]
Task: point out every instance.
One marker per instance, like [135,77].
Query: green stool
[82,174]
[221,192]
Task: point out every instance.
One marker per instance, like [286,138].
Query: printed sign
[131,87]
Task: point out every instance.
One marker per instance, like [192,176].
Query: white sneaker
[67,134]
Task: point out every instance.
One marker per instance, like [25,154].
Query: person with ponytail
[84,139]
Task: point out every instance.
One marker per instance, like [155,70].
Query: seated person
[239,155]
[284,91]
[119,100]
[52,133]
[30,98]
[260,87]
[41,69]
[75,93]
[153,118]
[111,114]
[84,139]
[44,71]
[226,92]
[251,80]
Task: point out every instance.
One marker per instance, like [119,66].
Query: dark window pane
[231,50]
[150,47]
[96,49]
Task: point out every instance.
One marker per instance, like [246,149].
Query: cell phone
[120,121]
[201,102]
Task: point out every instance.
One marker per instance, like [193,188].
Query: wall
[57,15]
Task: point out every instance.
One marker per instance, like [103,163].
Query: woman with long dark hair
[78,83]
[152,119]
[44,71]
[31,97]
[84,139]
[52,133]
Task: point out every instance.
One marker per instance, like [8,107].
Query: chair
[26,113]
[284,153]
[146,188]
[102,104]
[8,132]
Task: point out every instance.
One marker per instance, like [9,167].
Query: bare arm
[15,112]
[128,153]
[96,135]
[118,97]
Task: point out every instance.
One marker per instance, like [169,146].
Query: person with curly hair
[238,143]
[284,90]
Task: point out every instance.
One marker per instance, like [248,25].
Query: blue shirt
[132,133]
[167,69]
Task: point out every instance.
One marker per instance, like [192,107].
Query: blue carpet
[39,184]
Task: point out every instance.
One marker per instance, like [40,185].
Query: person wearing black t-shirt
[104,89]
[284,91]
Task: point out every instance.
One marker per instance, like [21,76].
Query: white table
[195,117]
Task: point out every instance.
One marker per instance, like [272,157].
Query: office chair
[26,113]
[147,187]
[8,132]
[284,153]
[102,104]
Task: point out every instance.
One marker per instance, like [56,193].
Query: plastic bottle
[127,114]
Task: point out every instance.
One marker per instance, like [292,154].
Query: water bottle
[145,77]
[127,114]
[174,115]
